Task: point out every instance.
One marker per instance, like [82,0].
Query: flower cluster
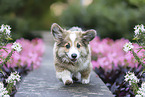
[109,54]
[3,91]
[13,78]
[11,58]
[5,28]
[4,58]
[139,29]
[30,56]
[141,91]
[5,35]
[131,78]
[140,35]
[16,46]
[128,46]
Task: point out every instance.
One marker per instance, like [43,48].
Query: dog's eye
[67,45]
[78,45]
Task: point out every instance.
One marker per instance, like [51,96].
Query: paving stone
[42,82]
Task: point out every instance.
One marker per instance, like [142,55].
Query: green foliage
[137,2]
[8,9]
[140,38]
[112,18]
[4,38]
[25,15]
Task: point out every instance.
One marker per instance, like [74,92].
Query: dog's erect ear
[56,31]
[89,35]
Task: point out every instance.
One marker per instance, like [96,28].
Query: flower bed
[111,63]
[30,56]
[28,59]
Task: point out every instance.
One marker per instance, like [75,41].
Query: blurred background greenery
[111,18]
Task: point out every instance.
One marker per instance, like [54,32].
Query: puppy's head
[72,44]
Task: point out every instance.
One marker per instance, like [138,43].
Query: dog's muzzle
[74,56]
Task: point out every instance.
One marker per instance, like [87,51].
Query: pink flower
[30,56]
[109,54]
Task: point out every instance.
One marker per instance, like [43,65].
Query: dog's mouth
[73,60]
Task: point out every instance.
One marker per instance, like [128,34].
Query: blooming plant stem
[7,58]
[9,88]
[140,38]
[14,77]
[135,88]
[137,58]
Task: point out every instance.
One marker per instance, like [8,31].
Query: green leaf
[143,71]
[135,38]
[139,50]
[1,71]
[9,38]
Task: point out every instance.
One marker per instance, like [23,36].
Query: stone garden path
[42,82]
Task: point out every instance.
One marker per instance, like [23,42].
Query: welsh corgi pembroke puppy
[72,54]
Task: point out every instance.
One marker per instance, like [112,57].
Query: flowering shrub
[4,33]
[113,59]
[109,54]
[3,91]
[14,77]
[30,56]
[114,80]
[131,78]
[11,82]
[16,58]
[140,38]
[141,91]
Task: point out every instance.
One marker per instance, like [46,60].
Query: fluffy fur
[72,54]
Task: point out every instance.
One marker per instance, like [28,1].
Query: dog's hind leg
[85,76]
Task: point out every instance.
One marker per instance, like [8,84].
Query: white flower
[5,28]
[8,27]
[2,28]
[139,28]
[17,46]
[141,90]
[128,46]
[6,95]
[138,95]
[131,78]
[1,85]
[142,27]
[136,32]
[13,78]
[143,85]
[3,91]
[8,32]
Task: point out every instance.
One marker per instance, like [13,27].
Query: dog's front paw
[85,81]
[76,77]
[68,82]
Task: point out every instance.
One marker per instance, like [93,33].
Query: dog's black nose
[74,55]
